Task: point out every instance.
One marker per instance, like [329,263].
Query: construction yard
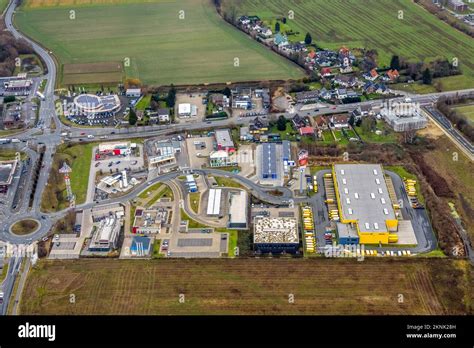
[250,286]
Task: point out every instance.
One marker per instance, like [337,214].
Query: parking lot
[199,149]
[193,99]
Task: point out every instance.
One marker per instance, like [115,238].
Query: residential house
[220,100]
[325,94]
[345,81]
[306,131]
[307,96]
[393,74]
[298,121]
[258,126]
[163,115]
[280,40]
[341,93]
[265,33]
[361,111]
[372,75]
[339,121]
[321,123]
[326,72]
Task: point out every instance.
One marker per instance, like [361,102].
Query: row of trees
[445,106]
[10,49]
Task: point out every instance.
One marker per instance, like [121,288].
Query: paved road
[9,282]
[456,136]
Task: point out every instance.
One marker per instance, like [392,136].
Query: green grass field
[160,47]
[79,158]
[373,24]
[467,111]
[3,5]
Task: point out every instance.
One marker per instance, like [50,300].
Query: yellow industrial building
[364,203]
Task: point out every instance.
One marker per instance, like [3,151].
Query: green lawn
[146,193]
[3,5]
[194,198]
[227,182]
[467,111]
[144,102]
[372,24]
[387,136]
[288,134]
[79,158]
[161,47]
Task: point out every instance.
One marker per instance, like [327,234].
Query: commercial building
[214,202]
[114,149]
[91,105]
[364,202]
[149,221]
[133,92]
[404,117]
[187,110]
[140,247]
[106,236]
[224,140]
[276,235]
[221,158]
[238,210]
[162,152]
[17,86]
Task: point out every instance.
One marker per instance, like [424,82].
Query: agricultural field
[419,36]
[150,39]
[100,73]
[249,286]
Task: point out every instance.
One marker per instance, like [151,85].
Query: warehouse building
[276,235]
[214,202]
[238,210]
[364,202]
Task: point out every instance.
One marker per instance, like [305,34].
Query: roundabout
[25,227]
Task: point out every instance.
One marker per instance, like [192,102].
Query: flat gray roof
[364,196]
[7,169]
[269,161]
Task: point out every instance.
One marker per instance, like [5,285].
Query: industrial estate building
[276,235]
[274,162]
[364,203]
[214,202]
[238,210]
